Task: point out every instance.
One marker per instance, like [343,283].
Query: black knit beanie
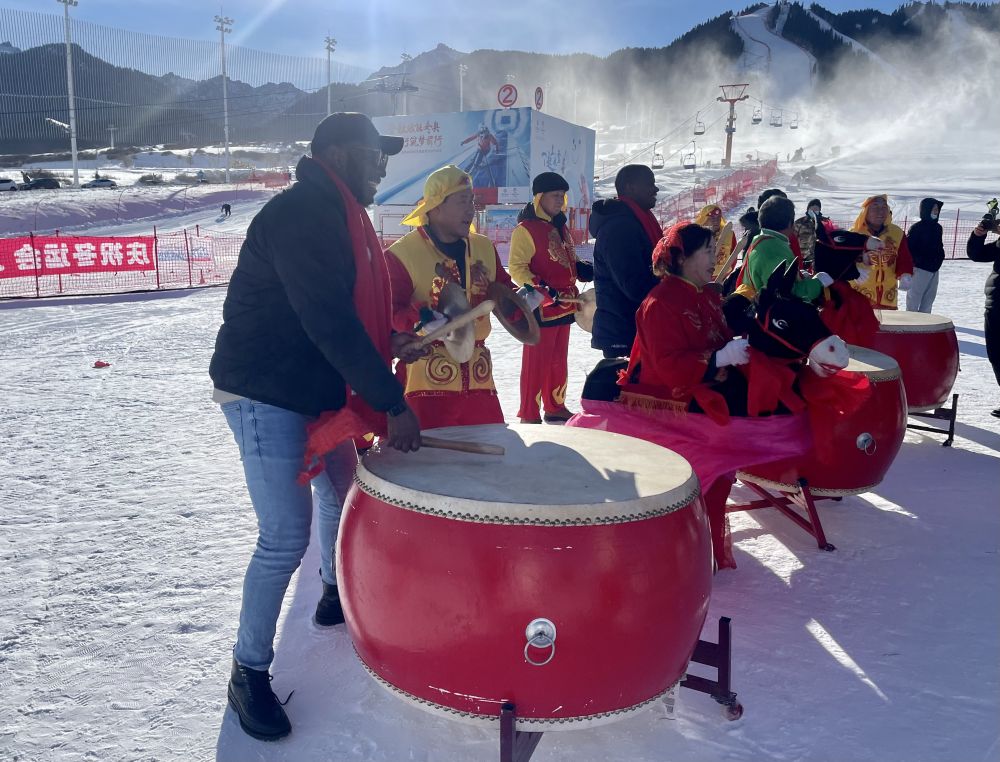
[549,181]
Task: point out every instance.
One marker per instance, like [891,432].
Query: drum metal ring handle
[541,634]
[866,443]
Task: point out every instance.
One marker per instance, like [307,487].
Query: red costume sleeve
[793,242]
[904,261]
[668,355]
[404,314]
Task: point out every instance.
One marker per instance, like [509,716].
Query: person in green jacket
[770,248]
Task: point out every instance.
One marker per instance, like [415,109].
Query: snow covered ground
[125,529]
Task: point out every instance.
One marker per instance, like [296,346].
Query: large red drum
[926,348]
[447,561]
[862,445]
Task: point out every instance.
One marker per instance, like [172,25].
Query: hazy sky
[373,33]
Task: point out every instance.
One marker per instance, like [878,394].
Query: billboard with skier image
[492,146]
[495,146]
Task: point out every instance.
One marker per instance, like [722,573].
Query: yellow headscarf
[541,213]
[861,223]
[702,217]
[440,184]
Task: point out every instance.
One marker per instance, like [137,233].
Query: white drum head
[548,475]
[902,321]
[875,365]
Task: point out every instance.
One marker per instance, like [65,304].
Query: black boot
[328,610]
[251,697]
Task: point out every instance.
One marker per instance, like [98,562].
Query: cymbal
[461,342]
[513,313]
[586,310]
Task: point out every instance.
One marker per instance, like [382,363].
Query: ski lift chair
[657,162]
[794,124]
[699,127]
[775,119]
[688,161]
[758,116]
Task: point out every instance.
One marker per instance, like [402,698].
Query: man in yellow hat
[443,249]
[890,264]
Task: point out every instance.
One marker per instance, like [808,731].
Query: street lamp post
[225,25]
[462,69]
[69,90]
[331,45]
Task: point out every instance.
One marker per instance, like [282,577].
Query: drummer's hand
[404,431]
[404,346]
[979,230]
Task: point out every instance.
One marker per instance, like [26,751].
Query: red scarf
[373,304]
[646,218]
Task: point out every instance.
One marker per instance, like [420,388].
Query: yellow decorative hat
[860,224]
[440,184]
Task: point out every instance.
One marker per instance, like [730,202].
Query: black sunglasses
[375,156]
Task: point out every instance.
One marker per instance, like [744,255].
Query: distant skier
[486,141]
[226,210]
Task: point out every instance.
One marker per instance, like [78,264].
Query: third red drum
[926,348]
[570,576]
[861,446]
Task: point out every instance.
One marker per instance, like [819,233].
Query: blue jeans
[272,444]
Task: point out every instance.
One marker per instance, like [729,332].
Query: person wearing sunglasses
[306,331]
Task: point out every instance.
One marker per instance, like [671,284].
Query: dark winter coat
[290,335]
[978,251]
[623,274]
[925,238]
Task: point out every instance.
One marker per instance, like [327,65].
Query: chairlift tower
[731,94]
[224,25]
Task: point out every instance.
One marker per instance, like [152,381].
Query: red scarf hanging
[646,218]
[373,304]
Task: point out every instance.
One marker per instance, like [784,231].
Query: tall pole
[462,68]
[111,129]
[69,90]
[406,58]
[331,45]
[224,25]
[731,94]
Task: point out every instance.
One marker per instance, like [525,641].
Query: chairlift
[688,161]
[699,127]
[775,118]
[657,162]
[758,116]
[794,124]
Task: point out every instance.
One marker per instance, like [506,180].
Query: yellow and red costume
[723,248]
[542,254]
[888,264]
[441,391]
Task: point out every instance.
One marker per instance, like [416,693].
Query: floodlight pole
[225,25]
[69,90]
[731,94]
[331,45]
[462,69]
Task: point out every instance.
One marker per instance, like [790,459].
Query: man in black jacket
[298,333]
[626,232]
[979,251]
[925,239]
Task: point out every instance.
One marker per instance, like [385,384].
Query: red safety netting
[38,266]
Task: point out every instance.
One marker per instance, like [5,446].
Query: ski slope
[787,69]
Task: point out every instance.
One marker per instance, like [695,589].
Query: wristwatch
[398,409]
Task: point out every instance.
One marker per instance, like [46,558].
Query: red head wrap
[671,240]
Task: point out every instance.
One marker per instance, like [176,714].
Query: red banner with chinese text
[50,255]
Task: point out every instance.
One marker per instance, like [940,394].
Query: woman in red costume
[683,352]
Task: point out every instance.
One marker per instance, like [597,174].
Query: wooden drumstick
[477,448]
[485,307]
